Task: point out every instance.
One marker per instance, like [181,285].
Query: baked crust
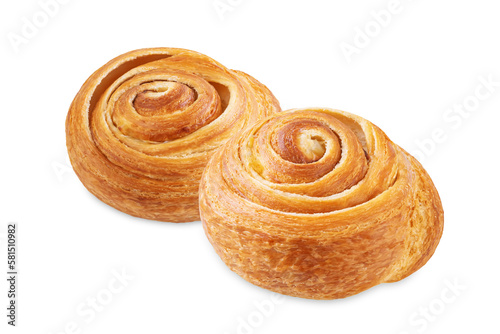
[319,203]
[142,128]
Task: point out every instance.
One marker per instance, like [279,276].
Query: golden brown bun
[142,128]
[319,203]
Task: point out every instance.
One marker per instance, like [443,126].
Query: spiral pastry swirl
[142,128]
[319,203]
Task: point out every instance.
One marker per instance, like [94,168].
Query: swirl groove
[319,203]
[143,126]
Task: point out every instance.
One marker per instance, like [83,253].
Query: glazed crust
[319,203]
[142,128]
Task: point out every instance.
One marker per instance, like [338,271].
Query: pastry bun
[319,203]
[142,128]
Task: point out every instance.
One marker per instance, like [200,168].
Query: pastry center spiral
[302,142]
[162,106]
[164,97]
[312,147]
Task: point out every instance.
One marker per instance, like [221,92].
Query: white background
[428,58]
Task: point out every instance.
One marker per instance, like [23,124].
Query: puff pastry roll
[142,128]
[319,203]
